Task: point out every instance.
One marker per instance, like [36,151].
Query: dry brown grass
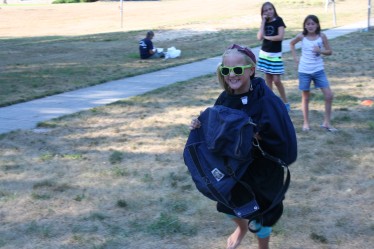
[113,177]
[49,49]
[104,17]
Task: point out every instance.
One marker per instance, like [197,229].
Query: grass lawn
[57,58]
[114,177]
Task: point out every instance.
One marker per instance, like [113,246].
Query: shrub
[73,1]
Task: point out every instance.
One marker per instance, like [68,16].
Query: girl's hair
[249,59]
[314,19]
[272,5]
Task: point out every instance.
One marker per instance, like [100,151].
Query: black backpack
[218,154]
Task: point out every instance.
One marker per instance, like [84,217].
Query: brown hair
[314,18]
[272,5]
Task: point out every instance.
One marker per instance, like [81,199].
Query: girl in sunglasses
[270,61]
[244,91]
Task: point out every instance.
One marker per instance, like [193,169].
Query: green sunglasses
[238,70]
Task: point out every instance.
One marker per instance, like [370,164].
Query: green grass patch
[167,224]
[52,65]
[116,157]
[47,156]
[122,203]
[370,125]
[318,238]
[73,156]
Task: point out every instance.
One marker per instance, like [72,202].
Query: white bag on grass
[172,53]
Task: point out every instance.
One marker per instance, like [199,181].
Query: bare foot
[236,238]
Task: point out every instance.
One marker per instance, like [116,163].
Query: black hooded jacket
[278,138]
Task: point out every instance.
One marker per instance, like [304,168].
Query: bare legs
[270,78]
[328,103]
[263,243]
[328,95]
[237,236]
[241,230]
[305,108]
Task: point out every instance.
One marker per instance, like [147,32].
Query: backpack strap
[255,223]
[282,192]
[256,143]
[277,160]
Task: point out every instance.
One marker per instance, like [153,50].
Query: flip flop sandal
[329,129]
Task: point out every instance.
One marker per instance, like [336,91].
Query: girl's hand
[195,123]
[317,49]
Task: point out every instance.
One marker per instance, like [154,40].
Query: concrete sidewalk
[27,115]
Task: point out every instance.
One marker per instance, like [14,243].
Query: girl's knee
[305,98]
[329,96]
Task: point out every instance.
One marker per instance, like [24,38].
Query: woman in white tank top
[310,61]
[310,68]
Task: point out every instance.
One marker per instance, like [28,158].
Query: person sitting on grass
[146,49]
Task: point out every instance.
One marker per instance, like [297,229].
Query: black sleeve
[278,137]
[281,23]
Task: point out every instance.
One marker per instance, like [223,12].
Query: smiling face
[268,11]
[238,83]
